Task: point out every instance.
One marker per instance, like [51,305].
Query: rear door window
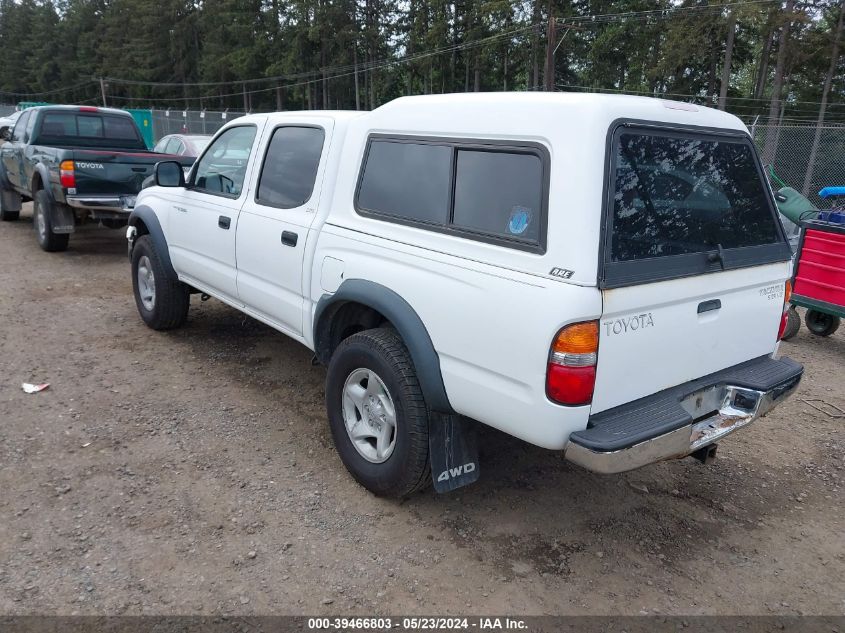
[686,203]
[290,166]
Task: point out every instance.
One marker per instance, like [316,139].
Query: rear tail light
[571,373]
[66,174]
[784,317]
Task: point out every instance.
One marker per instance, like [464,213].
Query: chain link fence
[789,149]
[189,121]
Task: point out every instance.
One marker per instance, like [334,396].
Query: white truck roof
[525,111]
[572,126]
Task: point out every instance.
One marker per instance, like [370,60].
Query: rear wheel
[42,217]
[377,414]
[162,299]
[821,323]
[793,324]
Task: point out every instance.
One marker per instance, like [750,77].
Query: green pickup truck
[77,164]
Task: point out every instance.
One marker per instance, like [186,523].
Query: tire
[43,223]
[162,299]
[395,471]
[7,216]
[821,323]
[793,324]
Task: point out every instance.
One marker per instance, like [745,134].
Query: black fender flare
[145,215]
[43,172]
[406,321]
[63,217]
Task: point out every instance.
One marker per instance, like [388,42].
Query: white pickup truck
[602,275]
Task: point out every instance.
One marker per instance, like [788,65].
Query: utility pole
[831,71]
[551,36]
[726,68]
[552,44]
[246,100]
[103,91]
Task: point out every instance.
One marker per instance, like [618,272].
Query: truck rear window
[89,130]
[698,198]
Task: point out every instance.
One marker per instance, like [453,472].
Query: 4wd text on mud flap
[628,324]
[456,472]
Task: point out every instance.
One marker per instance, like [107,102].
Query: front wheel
[377,413]
[42,217]
[821,323]
[162,299]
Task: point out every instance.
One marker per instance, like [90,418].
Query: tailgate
[694,261]
[110,172]
[657,336]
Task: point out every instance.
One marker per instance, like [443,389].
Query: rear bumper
[112,204]
[681,420]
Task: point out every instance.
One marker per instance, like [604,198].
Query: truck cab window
[222,168]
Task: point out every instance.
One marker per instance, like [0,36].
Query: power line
[47,92]
[760,100]
[318,73]
[667,12]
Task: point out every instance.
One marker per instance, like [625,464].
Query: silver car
[182,144]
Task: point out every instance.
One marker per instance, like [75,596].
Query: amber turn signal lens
[578,338]
[787,291]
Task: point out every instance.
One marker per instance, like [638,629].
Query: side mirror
[6,133]
[168,173]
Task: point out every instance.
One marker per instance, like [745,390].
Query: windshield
[89,130]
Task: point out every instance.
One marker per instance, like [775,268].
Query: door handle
[224,222]
[707,306]
[289,238]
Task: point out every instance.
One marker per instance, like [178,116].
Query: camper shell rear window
[683,202]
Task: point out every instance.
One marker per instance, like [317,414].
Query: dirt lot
[193,472]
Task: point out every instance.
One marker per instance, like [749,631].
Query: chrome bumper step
[683,419]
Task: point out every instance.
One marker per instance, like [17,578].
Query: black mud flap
[11,200]
[62,218]
[453,450]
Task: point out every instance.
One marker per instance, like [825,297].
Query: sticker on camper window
[519,220]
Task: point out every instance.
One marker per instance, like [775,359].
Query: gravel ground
[193,472]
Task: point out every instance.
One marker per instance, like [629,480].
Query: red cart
[818,282]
